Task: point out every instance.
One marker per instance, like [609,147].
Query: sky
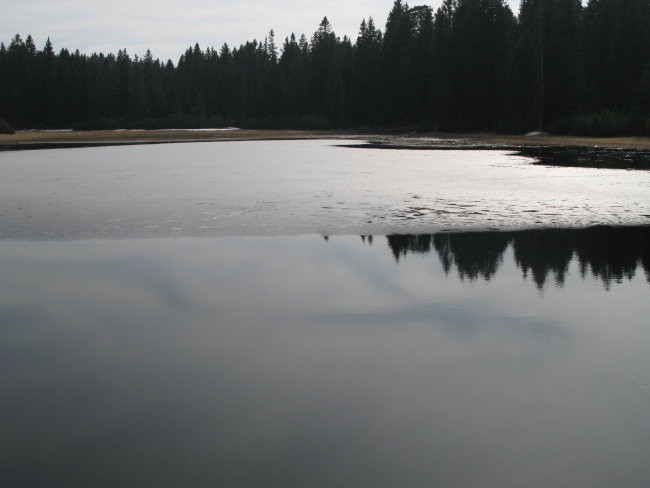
[169,27]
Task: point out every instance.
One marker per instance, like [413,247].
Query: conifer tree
[398,96]
[471,66]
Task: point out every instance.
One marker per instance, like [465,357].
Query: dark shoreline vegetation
[471,65]
[567,156]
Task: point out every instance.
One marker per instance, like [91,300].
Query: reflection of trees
[475,255]
[609,254]
[613,256]
[645,261]
[401,245]
[540,252]
[367,239]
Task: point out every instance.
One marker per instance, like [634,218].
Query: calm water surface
[133,356]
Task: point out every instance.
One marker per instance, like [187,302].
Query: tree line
[471,65]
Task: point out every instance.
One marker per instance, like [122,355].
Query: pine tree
[367,75]
[271,47]
[483,36]
[442,86]
[423,57]
[549,58]
[30,46]
[470,66]
[322,63]
[398,97]
[48,49]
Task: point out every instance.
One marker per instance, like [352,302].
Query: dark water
[455,360]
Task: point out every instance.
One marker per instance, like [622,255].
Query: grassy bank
[522,140]
[45,138]
[140,136]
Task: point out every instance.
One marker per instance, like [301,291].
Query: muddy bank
[583,156]
[103,137]
[62,138]
[616,153]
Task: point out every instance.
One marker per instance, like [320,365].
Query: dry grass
[501,140]
[179,135]
[133,136]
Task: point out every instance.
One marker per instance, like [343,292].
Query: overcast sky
[168,27]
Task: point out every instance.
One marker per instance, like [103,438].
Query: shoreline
[35,139]
[44,139]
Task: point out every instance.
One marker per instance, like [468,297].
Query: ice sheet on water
[300,187]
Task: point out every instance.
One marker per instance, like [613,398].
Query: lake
[300,187]
[297,313]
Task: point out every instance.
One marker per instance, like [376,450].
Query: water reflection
[291,361]
[610,254]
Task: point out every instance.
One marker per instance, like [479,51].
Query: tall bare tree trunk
[541,64]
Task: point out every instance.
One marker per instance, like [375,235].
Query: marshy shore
[34,139]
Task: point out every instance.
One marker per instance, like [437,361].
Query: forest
[471,65]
